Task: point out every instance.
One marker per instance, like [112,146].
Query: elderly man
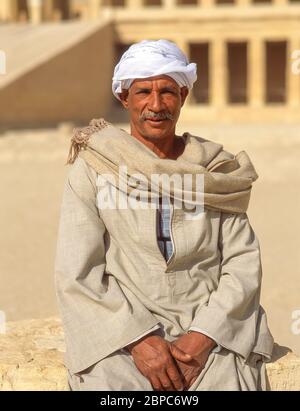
[155,296]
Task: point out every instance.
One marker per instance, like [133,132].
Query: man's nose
[155,103]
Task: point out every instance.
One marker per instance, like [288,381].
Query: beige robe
[113,284]
[224,371]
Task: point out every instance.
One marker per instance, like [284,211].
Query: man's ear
[184,91]
[124,98]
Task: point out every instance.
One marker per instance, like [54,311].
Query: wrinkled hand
[156,359]
[199,347]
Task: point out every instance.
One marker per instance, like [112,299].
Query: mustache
[150,115]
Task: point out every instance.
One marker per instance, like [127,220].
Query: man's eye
[143,92]
[169,92]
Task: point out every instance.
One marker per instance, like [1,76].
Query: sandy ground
[32,174]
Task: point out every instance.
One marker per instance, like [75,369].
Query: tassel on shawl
[81,136]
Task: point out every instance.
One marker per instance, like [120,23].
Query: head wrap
[153,58]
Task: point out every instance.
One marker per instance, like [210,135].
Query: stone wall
[56,73]
[31,358]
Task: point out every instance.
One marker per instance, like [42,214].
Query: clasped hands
[171,366]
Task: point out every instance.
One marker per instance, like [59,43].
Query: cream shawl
[228,178]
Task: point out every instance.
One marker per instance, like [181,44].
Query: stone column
[207,3]
[94,8]
[280,2]
[48,9]
[9,10]
[183,45]
[134,4]
[256,72]
[35,11]
[243,2]
[4,10]
[169,4]
[293,78]
[218,70]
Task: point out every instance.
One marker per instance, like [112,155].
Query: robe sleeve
[98,318]
[230,317]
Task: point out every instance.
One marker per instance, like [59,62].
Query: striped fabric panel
[163,228]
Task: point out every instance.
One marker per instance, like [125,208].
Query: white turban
[153,58]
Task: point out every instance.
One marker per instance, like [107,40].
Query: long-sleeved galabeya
[113,283]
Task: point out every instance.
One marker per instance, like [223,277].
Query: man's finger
[156,384]
[180,355]
[166,382]
[175,377]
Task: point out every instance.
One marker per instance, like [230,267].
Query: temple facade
[247,51]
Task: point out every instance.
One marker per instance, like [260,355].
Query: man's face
[154,106]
